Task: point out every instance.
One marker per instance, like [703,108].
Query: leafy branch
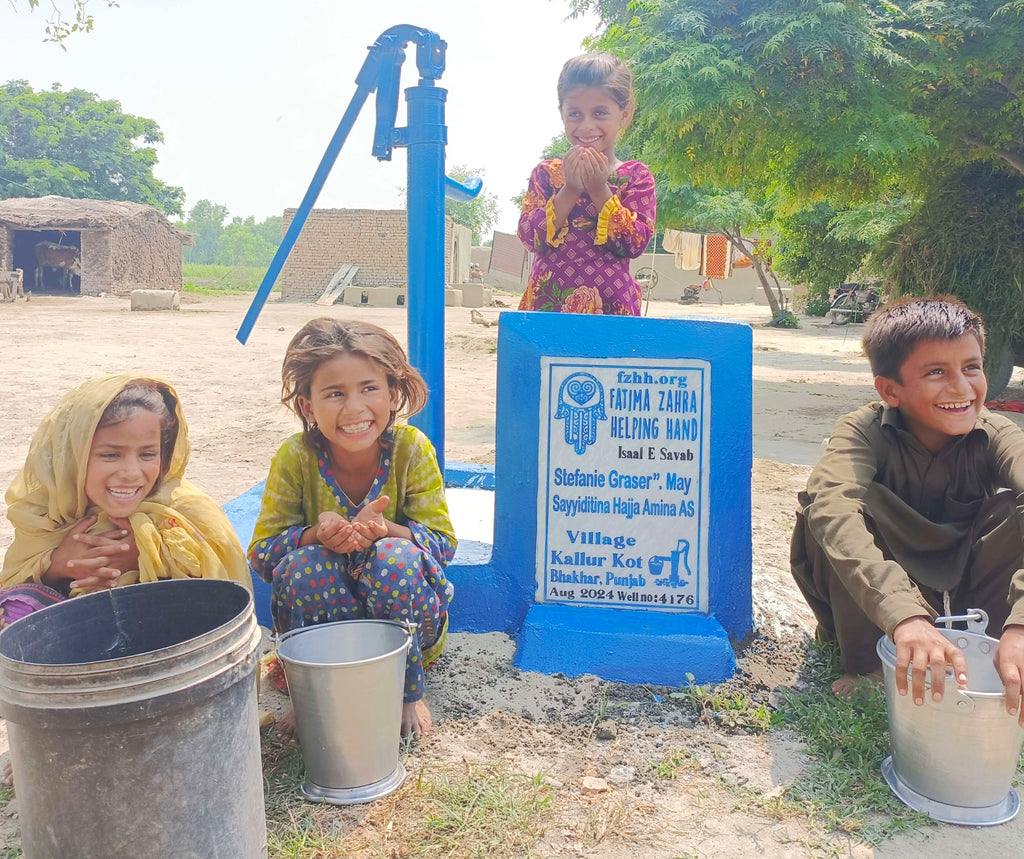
[63,22]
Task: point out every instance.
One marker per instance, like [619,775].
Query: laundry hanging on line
[685,246]
[716,257]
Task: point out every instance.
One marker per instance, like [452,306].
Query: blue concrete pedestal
[625,646]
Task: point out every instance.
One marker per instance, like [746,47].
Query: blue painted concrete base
[624,646]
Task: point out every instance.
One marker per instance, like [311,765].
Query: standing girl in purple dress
[587,215]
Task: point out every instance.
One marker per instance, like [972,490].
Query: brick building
[375,240]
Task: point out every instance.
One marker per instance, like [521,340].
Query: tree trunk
[778,289]
[748,248]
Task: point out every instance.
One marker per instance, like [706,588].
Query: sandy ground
[486,709]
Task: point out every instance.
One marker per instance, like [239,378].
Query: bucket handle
[960,703]
[976,620]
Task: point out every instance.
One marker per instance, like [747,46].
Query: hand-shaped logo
[581,405]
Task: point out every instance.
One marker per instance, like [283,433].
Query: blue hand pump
[425,137]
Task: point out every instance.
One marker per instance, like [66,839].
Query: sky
[248,93]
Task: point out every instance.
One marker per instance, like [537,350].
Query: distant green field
[222,279]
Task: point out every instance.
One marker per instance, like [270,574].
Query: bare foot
[286,729]
[416,719]
[848,684]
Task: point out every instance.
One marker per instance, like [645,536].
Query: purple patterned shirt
[584,266]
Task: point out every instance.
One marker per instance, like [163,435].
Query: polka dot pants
[389,581]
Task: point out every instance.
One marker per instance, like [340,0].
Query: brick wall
[373,239]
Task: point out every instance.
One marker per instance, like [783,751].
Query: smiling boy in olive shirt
[915,509]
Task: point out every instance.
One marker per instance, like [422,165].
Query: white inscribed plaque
[623,483]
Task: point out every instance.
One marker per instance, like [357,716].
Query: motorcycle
[693,293]
[854,302]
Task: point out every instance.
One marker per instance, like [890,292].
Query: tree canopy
[832,122]
[810,99]
[811,251]
[74,144]
[241,242]
[966,238]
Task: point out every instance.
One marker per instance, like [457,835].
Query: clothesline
[710,254]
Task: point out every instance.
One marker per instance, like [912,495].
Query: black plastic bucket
[133,727]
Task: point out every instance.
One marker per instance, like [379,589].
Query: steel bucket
[955,759]
[133,727]
[346,680]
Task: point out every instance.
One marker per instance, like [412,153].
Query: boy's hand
[1009,662]
[921,645]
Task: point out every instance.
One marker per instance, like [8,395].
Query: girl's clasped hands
[94,561]
[586,169]
[343,536]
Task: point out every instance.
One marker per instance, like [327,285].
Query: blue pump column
[426,136]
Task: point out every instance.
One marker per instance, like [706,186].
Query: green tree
[480,213]
[271,231]
[244,243]
[741,218]
[74,144]
[781,95]
[965,80]
[859,103]
[206,223]
[811,252]
[825,98]
[967,238]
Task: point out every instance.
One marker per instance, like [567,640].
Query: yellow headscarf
[180,531]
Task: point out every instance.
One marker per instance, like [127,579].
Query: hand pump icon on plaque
[678,563]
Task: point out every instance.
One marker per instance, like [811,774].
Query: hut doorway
[51,281]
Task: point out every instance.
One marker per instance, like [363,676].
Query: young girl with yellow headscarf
[102,501]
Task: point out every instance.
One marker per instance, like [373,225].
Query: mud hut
[121,246]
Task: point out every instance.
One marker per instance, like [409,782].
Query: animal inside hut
[63,258]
